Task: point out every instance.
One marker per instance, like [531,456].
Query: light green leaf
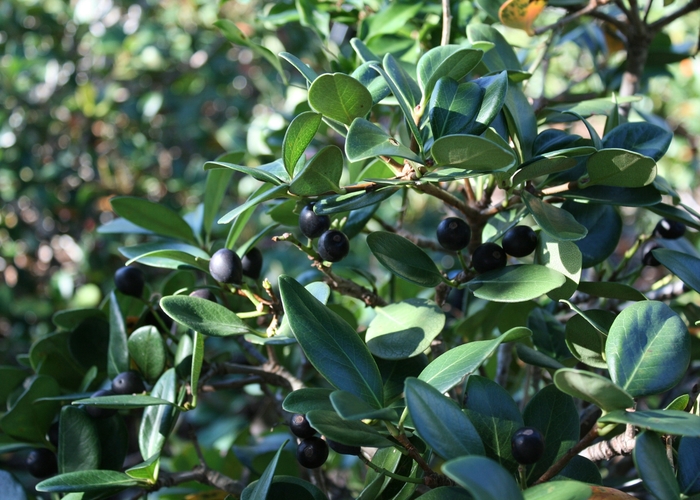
[118,353]
[516,283]
[259,196]
[158,421]
[204,316]
[147,349]
[557,222]
[299,135]
[87,481]
[272,173]
[321,174]
[471,152]
[339,97]
[620,168]
[367,140]
[593,388]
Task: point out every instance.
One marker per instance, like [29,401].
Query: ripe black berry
[311,224]
[128,383]
[96,411]
[527,445]
[300,426]
[453,234]
[669,229]
[487,257]
[520,241]
[648,258]
[312,452]
[225,266]
[41,463]
[129,281]
[203,293]
[333,245]
[343,449]
[252,263]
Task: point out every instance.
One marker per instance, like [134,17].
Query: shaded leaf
[403,258]
[603,225]
[556,221]
[157,421]
[153,216]
[686,267]
[367,140]
[204,316]
[516,283]
[298,136]
[619,168]
[653,467]
[483,478]
[350,432]
[675,422]
[644,138]
[321,174]
[78,442]
[593,388]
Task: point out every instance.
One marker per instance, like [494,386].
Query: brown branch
[270,373]
[201,474]
[349,287]
[618,23]
[561,188]
[561,463]
[664,21]
[415,454]
[448,198]
[592,5]
[446,22]
[622,444]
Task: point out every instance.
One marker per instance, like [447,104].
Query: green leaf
[172,259]
[114,441]
[626,197]
[534,357]
[543,166]
[454,107]
[554,414]
[272,173]
[585,341]
[308,398]
[147,470]
[675,422]
[521,120]
[157,421]
[339,97]
[321,174]
[556,221]
[264,193]
[404,259]
[563,257]
[686,267]
[604,226]
[50,355]
[483,478]
[452,61]
[502,56]
[289,487]
[368,76]
[620,168]
[302,67]
[217,184]
[391,18]
[648,348]
[197,360]
[495,416]
[153,216]
[472,153]
[440,422]
[516,283]
[671,212]
[643,138]
[69,319]
[367,140]
[448,369]
[118,353]
[653,466]
[593,388]
[29,419]
[331,345]
[147,349]
[11,378]
[559,490]
[234,35]
[350,407]
[204,316]
[610,290]
[78,443]
[86,481]
[299,135]
[404,329]
[121,401]
[495,91]
[352,201]
[261,488]
[350,432]
[689,465]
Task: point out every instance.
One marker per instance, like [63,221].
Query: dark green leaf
[28,419]
[544,166]
[302,67]
[689,465]
[51,356]
[610,290]
[604,226]
[580,469]
[153,216]
[676,422]
[653,467]
[521,120]
[308,398]
[157,421]
[556,221]
[619,168]
[516,283]
[452,61]
[71,318]
[261,488]
[454,107]
[197,360]
[114,441]
[367,140]
[321,174]
[548,334]
[648,348]
[11,378]
[331,345]
[495,91]
[217,183]
[593,388]
[350,432]
[118,353]
[10,487]
[352,201]
[404,259]
[585,341]
[446,493]
[339,97]
[641,137]
[350,407]
[626,197]
[404,329]
[502,56]
[534,357]
[172,259]
[204,316]
[78,443]
[147,349]
[686,267]
[272,173]
[299,135]
[483,478]
[86,480]
[671,212]
[123,401]
[264,193]
[472,153]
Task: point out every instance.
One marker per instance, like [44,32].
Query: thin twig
[689,7]
[448,198]
[204,475]
[561,463]
[592,5]
[446,22]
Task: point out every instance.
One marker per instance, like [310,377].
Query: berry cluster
[333,245]
[312,451]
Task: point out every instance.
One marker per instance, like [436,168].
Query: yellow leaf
[521,14]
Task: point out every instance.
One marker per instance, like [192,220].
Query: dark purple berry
[252,263]
[527,445]
[520,241]
[128,383]
[96,411]
[343,449]
[129,281]
[225,266]
[300,426]
[311,224]
[454,234]
[333,246]
[488,257]
[41,463]
[203,293]
[648,258]
[312,452]
[669,229]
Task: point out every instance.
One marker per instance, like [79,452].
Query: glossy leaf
[261,488]
[308,398]
[321,174]
[593,388]
[495,90]
[445,61]
[516,283]
[563,257]
[172,259]
[118,353]
[146,470]
[619,168]
[644,138]
[653,467]
[350,407]
[147,349]
[331,345]
[626,197]
[339,97]
[556,221]
[78,442]
[675,422]
[123,401]
[689,465]
[521,120]
[352,201]
[153,216]
[648,348]
[272,173]
[86,481]
[471,152]
[502,56]
[299,135]
[157,421]
[261,195]
[521,14]
[585,341]
[404,259]
[483,478]
[302,67]
[610,290]
[448,369]
[404,329]
[686,267]
[350,432]
[204,316]
[560,490]
[367,140]
[368,76]
[604,227]
[217,184]
[454,107]
[29,419]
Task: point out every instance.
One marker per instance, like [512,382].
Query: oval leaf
[321,174]
[158,421]
[147,349]
[153,216]
[604,226]
[403,258]
[453,107]
[452,61]
[471,152]
[686,267]
[556,221]
[299,135]
[339,97]
[350,432]
[483,478]
[516,283]
[593,388]
[308,398]
[78,444]
[676,422]
[619,168]
[204,316]
[644,138]
[367,140]
[653,466]
[689,465]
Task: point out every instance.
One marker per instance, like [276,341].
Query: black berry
[487,257]
[520,241]
[52,435]
[453,234]
[311,224]
[225,266]
[128,383]
[312,452]
[41,463]
[203,293]
[670,229]
[333,245]
[300,426]
[252,263]
[648,258]
[96,411]
[129,281]
[527,445]
[343,449]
